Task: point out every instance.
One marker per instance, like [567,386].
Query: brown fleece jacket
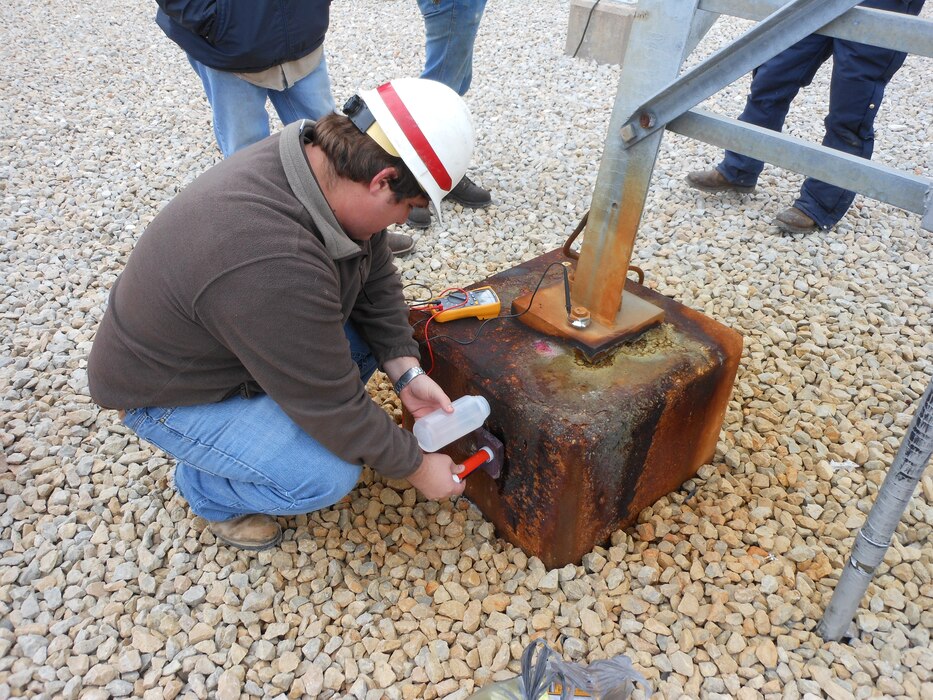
[237,281]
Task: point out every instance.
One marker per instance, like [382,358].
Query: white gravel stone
[109,587]
[228,686]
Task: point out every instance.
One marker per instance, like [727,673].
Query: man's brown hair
[355,156]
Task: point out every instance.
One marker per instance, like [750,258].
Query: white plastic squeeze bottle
[438,428]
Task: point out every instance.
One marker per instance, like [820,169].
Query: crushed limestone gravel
[110,588]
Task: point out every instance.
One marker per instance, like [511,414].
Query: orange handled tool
[474,461]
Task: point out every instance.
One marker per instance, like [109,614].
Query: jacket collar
[304,185]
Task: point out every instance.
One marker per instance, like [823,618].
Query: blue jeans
[860,75]
[239,107]
[450,28]
[242,456]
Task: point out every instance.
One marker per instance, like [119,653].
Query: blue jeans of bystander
[243,456]
[239,107]
[860,74]
[450,29]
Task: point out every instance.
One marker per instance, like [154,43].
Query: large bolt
[579,317]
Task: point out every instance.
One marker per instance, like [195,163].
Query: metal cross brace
[783,28]
[902,189]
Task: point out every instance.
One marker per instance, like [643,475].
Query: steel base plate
[548,314]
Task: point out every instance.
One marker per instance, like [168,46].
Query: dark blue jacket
[245,35]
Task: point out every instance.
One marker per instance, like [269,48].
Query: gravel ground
[110,588]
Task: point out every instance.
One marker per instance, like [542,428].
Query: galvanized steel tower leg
[875,536]
[661,36]
[657,49]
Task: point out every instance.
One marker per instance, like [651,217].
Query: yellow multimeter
[482,303]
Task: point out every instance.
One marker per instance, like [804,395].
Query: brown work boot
[714,181]
[255,531]
[400,243]
[466,193]
[792,220]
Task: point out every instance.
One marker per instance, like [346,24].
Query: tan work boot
[792,220]
[255,531]
[714,181]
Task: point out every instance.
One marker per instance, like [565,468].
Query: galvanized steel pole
[659,40]
[875,536]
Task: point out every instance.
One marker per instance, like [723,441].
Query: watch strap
[407,377]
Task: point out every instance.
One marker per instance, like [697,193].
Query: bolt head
[579,317]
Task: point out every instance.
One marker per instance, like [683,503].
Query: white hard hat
[428,126]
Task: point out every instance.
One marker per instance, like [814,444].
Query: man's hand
[422,396]
[434,478]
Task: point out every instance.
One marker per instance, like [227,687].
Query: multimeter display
[481,303]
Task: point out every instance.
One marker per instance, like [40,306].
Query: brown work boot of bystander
[466,193]
[400,243]
[419,217]
[714,181]
[792,220]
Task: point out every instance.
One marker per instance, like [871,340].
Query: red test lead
[472,462]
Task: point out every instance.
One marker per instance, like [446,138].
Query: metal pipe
[874,538]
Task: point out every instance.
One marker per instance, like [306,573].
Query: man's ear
[382,179]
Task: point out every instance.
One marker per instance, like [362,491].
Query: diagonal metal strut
[785,27]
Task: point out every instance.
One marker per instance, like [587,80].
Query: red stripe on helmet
[415,136]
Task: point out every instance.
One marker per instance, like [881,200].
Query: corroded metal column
[585,443]
[660,39]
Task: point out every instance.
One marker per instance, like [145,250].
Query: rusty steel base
[587,446]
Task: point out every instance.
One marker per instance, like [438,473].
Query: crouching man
[257,304]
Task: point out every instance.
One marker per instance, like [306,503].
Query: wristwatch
[406,378]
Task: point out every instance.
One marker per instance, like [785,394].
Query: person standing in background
[450,32]
[860,74]
[248,52]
